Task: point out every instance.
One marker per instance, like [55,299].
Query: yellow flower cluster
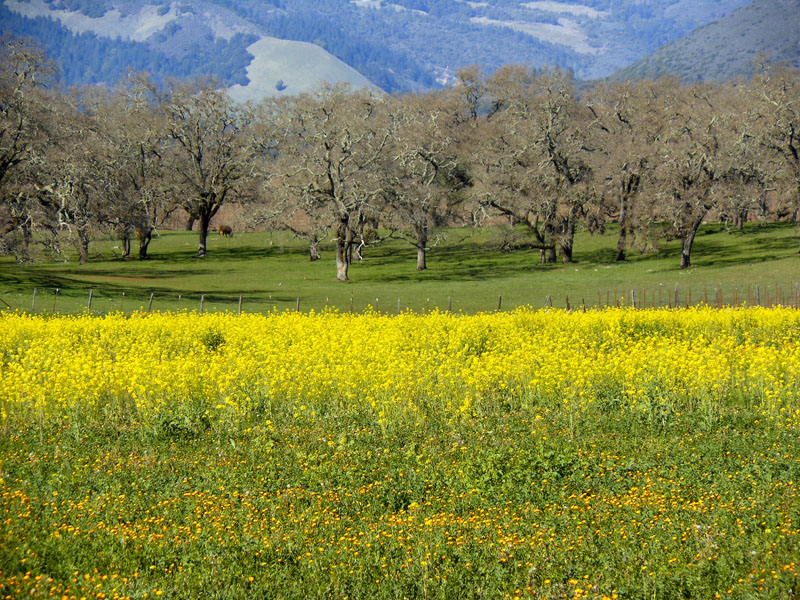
[405,365]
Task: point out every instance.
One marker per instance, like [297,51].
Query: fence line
[786,295]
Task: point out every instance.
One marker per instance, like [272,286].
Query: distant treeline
[658,158]
[87,58]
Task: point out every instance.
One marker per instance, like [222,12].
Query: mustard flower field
[525,454]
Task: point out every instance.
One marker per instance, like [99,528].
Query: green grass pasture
[466,273]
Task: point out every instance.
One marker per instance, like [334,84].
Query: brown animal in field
[226,230]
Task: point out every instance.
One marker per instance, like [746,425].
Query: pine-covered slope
[729,47]
[396,45]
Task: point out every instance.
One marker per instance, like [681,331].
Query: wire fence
[104,301]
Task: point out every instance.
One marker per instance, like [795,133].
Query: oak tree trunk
[568,239]
[126,244]
[688,240]
[422,243]
[83,246]
[25,243]
[205,220]
[566,253]
[741,218]
[145,237]
[622,241]
[549,254]
[313,250]
[344,249]
[342,265]
[629,190]
[421,262]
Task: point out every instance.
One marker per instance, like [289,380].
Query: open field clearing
[467,272]
[531,454]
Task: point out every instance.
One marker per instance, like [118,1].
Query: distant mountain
[274,47]
[728,47]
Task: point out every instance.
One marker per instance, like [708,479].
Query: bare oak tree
[627,130]
[421,170]
[208,157]
[133,127]
[776,93]
[535,161]
[337,137]
[691,159]
[746,163]
[25,128]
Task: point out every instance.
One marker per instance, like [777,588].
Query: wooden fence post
[567,303]
[449,304]
[239,310]
[33,304]
[499,303]
[150,303]
[398,306]
[89,304]
[55,295]
[202,303]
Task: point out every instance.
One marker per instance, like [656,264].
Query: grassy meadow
[466,272]
[528,453]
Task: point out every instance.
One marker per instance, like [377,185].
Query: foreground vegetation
[526,454]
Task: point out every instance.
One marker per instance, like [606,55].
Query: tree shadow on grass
[761,249]
[85,280]
[236,253]
[711,247]
[457,264]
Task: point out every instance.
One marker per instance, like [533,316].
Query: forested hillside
[398,46]
[730,47]
[88,58]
